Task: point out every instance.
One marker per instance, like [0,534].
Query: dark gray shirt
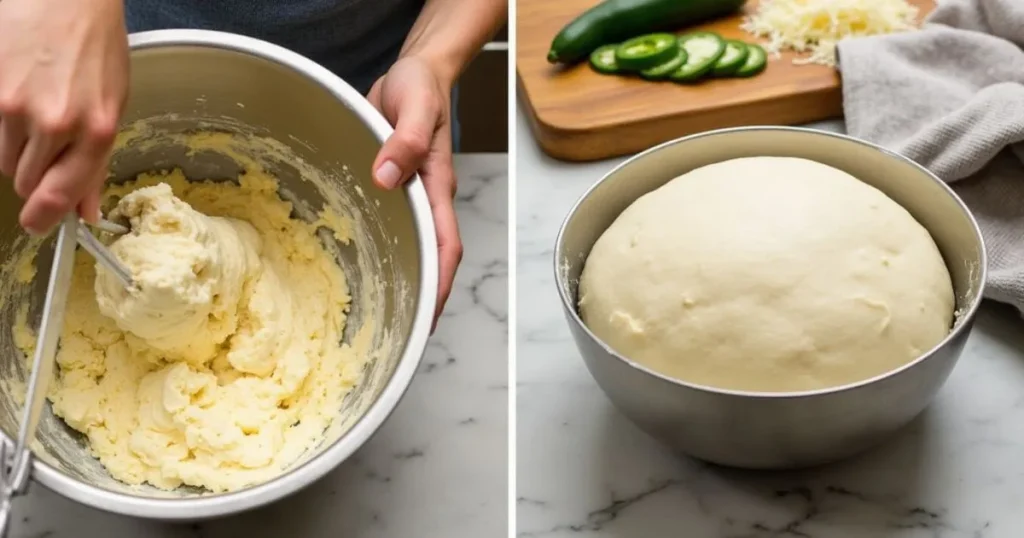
[356,39]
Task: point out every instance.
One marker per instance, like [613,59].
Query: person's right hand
[63,83]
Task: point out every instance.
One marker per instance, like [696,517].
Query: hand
[413,98]
[63,83]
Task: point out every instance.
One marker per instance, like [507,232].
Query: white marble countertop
[583,470]
[438,466]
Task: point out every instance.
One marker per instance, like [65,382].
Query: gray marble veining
[583,470]
[438,466]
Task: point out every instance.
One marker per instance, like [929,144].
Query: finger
[39,153]
[418,116]
[62,188]
[373,96]
[75,174]
[449,251]
[12,143]
[89,207]
[438,181]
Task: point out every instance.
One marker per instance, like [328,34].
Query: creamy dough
[767,274]
[190,271]
[225,364]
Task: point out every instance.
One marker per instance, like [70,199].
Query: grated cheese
[816,26]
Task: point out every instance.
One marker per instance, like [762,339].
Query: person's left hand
[413,98]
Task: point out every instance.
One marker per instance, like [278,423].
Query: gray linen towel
[951,97]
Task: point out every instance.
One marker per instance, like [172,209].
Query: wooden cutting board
[579,115]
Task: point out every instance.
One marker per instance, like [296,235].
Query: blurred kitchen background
[485,82]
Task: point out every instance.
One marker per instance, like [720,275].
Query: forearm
[449,33]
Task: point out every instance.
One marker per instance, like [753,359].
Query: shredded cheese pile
[816,26]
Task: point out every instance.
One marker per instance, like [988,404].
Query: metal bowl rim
[294,479]
[965,320]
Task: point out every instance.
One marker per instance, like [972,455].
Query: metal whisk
[102,253]
[16,461]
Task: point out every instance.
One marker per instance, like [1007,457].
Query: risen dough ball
[767,274]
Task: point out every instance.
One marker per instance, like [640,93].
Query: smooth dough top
[767,274]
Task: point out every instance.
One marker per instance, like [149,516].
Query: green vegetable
[756,61]
[614,21]
[703,50]
[732,59]
[603,60]
[662,71]
[646,51]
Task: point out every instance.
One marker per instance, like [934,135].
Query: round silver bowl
[319,137]
[773,430]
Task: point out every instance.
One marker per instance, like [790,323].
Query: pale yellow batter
[225,365]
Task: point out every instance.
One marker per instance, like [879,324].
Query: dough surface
[225,365]
[767,274]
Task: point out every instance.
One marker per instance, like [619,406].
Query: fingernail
[388,175]
[92,216]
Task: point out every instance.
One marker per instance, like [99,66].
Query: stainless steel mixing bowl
[327,137]
[773,430]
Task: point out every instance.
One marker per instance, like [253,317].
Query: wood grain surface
[579,115]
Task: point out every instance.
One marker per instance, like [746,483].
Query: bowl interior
[319,149]
[931,202]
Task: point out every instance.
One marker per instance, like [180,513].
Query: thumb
[416,116]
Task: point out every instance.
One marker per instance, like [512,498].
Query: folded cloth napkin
[951,97]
